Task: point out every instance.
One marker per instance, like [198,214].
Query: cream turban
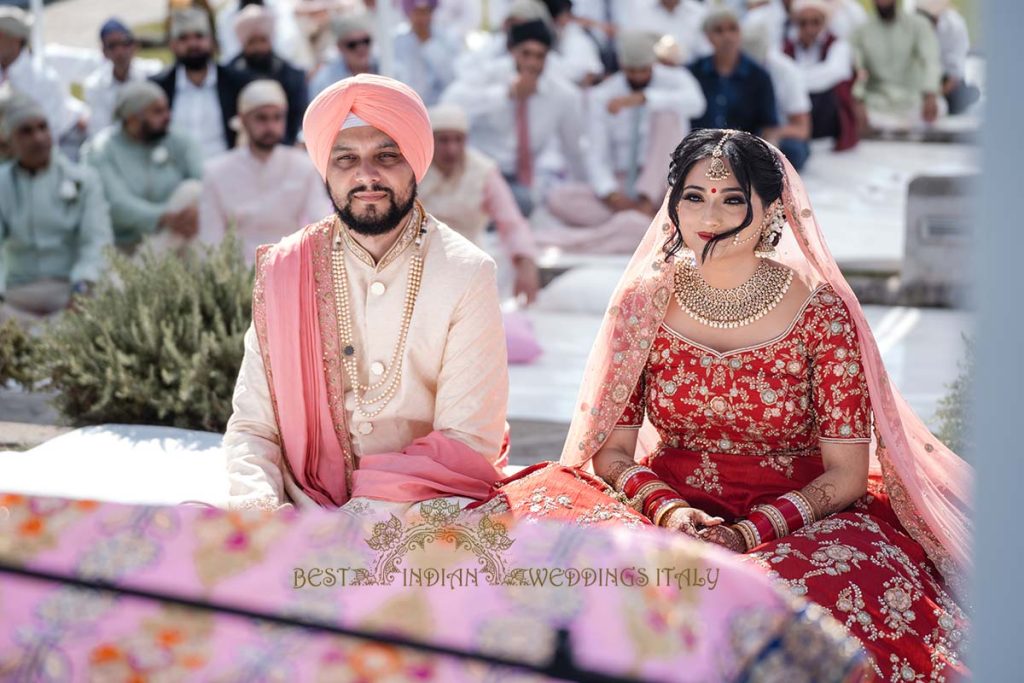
[16,110]
[636,49]
[135,96]
[388,105]
[669,51]
[189,20]
[716,16]
[15,22]
[347,24]
[822,6]
[262,93]
[449,117]
[254,20]
[933,7]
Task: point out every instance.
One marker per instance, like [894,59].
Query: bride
[736,395]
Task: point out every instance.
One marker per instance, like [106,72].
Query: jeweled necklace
[386,388]
[735,307]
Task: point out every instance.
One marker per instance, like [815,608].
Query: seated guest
[122,66]
[954,44]
[261,188]
[254,27]
[353,34]
[289,43]
[150,171]
[66,115]
[827,66]
[633,117]
[525,98]
[424,55]
[54,221]
[466,191]
[792,102]
[847,16]
[202,94]
[899,75]
[738,91]
[770,16]
[681,19]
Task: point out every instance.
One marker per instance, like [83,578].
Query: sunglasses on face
[361,42]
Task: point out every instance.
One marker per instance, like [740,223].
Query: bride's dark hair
[754,166]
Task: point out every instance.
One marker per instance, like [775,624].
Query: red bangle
[635,482]
[789,510]
[764,526]
[652,502]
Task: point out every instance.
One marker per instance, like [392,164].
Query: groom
[375,365]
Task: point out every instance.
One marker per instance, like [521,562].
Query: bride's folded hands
[691,521]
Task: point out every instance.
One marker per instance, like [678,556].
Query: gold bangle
[665,509]
[650,487]
[748,540]
[750,533]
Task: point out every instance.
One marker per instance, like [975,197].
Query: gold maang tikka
[717,169]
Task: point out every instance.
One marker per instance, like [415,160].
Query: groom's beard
[886,13]
[373,222]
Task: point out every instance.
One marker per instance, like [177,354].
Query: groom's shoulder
[453,249]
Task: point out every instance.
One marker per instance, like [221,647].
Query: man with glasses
[827,64]
[355,45]
[122,66]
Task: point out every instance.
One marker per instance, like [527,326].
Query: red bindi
[714,190]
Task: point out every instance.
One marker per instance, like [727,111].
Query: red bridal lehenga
[729,431]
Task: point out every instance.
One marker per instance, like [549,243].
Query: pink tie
[524,159]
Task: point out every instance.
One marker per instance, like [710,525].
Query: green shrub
[954,409]
[159,342]
[18,355]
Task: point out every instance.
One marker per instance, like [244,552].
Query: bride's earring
[775,219]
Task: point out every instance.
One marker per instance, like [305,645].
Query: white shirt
[101,89]
[610,135]
[579,53]
[821,75]
[773,17]
[791,97]
[428,68]
[954,43]
[476,66]
[45,87]
[554,112]
[683,24]
[196,111]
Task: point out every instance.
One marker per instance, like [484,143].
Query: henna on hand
[724,536]
[614,470]
[821,497]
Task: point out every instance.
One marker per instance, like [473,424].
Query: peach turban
[388,105]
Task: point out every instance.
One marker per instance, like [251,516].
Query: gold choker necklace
[735,307]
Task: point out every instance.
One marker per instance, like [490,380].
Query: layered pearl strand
[735,307]
[387,387]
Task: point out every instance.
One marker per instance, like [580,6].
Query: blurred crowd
[566,110]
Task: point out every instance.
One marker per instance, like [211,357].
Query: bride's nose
[709,217]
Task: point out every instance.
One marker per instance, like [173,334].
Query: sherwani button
[377,368]
[377,288]
[365,428]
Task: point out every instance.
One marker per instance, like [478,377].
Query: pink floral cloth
[646,604]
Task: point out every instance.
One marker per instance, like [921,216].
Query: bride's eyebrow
[702,189]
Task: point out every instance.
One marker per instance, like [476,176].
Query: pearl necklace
[735,307]
[388,384]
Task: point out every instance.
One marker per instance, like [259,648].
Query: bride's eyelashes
[696,197]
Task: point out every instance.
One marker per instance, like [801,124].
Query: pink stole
[296,324]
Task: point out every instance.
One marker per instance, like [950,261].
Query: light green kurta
[902,60]
[54,224]
[139,178]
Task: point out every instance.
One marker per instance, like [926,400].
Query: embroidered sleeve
[842,407]
[633,416]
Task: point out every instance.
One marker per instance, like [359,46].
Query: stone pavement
[76,23]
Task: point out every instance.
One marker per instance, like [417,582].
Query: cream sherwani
[259,197]
[454,377]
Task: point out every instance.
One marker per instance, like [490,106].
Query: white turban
[189,20]
[15,22]
[669,51]
[636,49]
[262,93]
[528,10]
[135,96]
[348,24]
[16,110]
[448,117]
[933,7]
[254,20]
[822,6]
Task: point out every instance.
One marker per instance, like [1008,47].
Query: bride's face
[712,207]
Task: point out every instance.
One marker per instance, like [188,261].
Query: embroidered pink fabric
[288,323]
[928,484]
